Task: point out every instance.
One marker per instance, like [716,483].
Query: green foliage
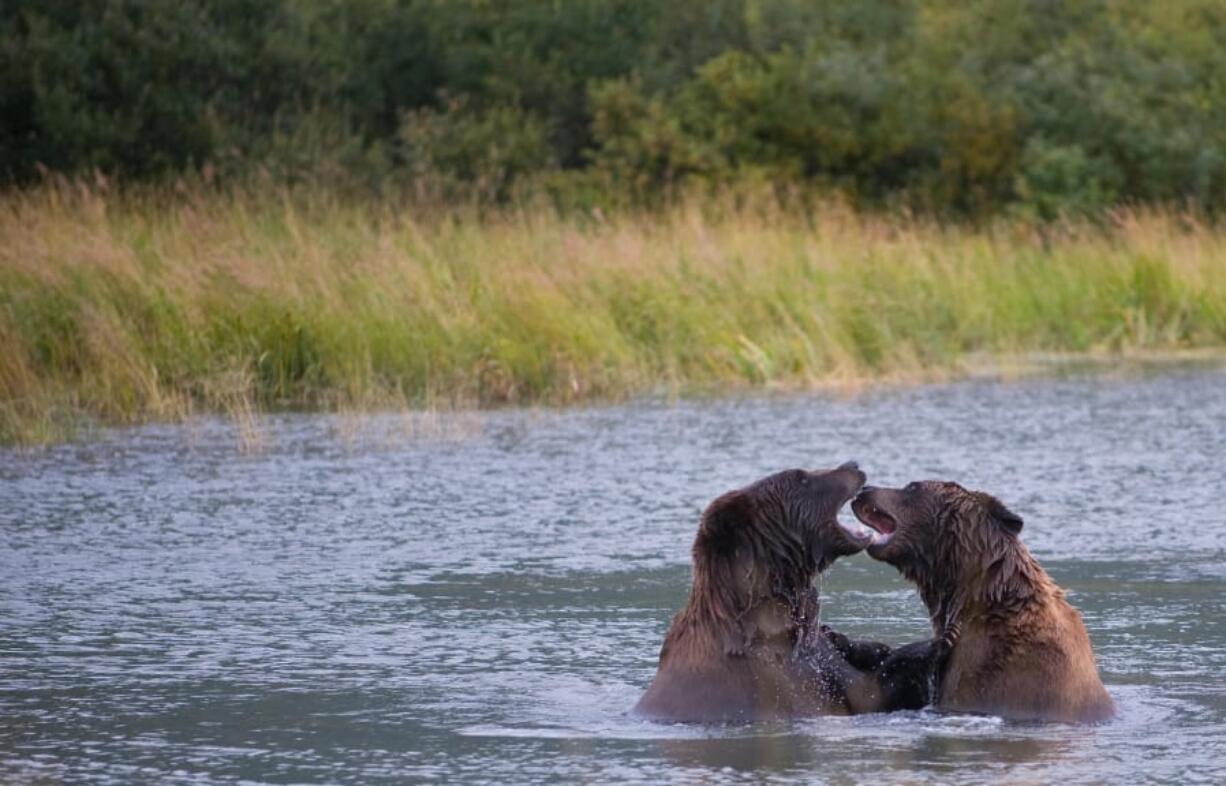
[1060,180]
[1052,108]
[455,150]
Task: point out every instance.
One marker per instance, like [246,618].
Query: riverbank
[120,309]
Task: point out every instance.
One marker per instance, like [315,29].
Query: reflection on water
[764,752]
[481,601]
[954,745]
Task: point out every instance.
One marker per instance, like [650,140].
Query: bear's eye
[911,487]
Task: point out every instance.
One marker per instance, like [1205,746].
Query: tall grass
[119,309]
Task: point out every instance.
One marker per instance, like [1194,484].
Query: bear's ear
[723,523]
[1004,517]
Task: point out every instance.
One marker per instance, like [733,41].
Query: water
[479,599]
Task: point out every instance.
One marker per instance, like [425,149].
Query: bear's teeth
[857,530]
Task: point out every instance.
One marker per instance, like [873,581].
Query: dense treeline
[1039,105]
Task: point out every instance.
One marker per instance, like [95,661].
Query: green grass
[120,309]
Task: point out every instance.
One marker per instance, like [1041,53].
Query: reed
[119,308]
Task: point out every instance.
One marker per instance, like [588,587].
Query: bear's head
[767,541]
[950,541]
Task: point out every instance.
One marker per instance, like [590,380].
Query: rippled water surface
[479,599]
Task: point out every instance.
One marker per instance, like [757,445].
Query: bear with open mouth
[1012,645]
[747,645]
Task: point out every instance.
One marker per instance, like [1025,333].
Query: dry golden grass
[121,308]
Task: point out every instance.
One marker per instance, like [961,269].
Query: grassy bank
[122,309]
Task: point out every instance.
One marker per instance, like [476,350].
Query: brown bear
[747,644]
[1014,646]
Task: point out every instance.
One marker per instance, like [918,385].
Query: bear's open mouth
[854,530]
[858,533]
[874,517]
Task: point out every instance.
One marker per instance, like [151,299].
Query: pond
[480,598]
